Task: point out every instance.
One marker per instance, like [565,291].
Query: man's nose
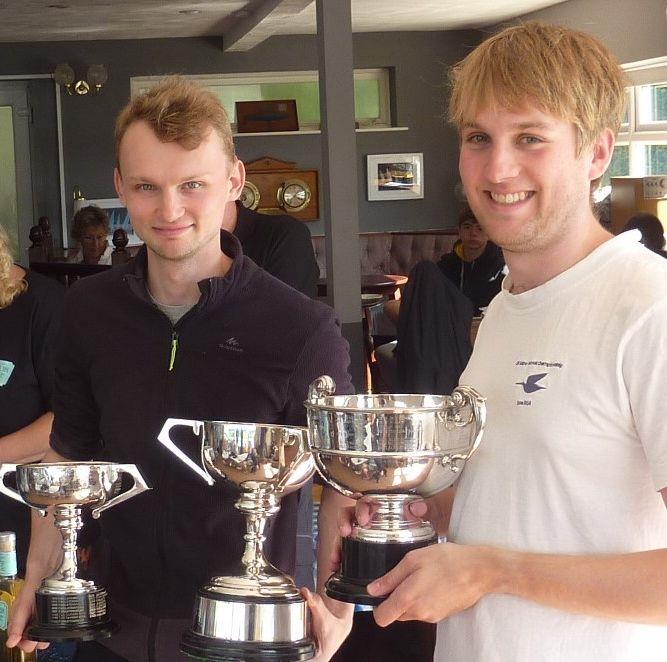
[502,163]
[171,207]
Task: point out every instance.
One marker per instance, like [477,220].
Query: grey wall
[633,29]
[418,61]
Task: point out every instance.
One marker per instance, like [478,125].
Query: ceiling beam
[254,22]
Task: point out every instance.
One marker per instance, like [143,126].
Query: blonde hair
[9,287]
[564,72]
[180,111]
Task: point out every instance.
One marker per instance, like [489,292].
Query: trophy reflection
[392,449]
[256,612]
[69,608]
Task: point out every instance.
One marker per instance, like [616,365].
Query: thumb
[387,583]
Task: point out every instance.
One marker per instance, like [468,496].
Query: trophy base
[361,563]
[71,617]
[207,648]
[244,627]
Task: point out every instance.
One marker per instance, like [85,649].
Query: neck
[470,254]
[230,217]
[535,267]
[175,282]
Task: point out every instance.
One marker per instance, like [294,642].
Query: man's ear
[603,150]
[236,179]
[118,183]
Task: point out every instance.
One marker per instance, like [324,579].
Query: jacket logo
[6,369]
[531,384]
[232,345]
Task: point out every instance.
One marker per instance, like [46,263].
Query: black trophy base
[220,650]
[362,562]
[71,617]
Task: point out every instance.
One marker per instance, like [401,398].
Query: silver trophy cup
[391,449]
[69,608]
[255,612]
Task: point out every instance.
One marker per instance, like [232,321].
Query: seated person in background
[653,234]
[90,228]
[279,244]
[476,266]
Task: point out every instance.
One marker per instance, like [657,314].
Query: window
[641,148]
[371,93]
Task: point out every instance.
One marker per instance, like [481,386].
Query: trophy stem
[67,518]
[257,504]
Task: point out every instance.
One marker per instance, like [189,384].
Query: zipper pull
[174,349]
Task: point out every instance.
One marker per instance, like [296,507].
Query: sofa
[393,252]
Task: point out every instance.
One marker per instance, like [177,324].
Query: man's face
[176,197]
[522,177]
[472,236]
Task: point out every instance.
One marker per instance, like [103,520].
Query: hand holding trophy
[392,449]
[256,612]
[69,608]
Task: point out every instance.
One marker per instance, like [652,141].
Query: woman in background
[90,228]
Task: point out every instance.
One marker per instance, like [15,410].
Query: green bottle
[10,586]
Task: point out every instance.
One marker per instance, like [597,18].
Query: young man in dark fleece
[193,329]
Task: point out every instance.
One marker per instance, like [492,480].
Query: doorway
[16,199]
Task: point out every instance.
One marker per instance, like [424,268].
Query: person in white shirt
[557,538]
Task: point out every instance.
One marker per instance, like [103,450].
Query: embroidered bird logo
[531,384]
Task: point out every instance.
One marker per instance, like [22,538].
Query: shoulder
[45,293]
[280,226]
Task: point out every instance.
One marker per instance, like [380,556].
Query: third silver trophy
[391,449]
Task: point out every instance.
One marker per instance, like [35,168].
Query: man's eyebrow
[523,126]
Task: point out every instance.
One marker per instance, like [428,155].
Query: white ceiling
[247,22]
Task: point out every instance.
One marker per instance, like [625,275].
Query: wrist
[503,570]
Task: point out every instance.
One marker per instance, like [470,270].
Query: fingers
[346,517]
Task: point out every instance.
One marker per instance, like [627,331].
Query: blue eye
[476,138]
[192,185]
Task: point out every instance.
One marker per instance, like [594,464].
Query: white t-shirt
[574,451]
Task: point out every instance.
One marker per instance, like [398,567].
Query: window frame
[636,134]
[139,84]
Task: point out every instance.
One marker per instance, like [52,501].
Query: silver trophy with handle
[256,612]
[69,608]
[391,449]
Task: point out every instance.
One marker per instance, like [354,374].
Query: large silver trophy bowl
[255,612]
[69,608]
[391,449]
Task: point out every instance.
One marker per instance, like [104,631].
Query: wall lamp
[95,78]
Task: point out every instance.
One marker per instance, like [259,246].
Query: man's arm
[433,583]
[44,557]
[29,444]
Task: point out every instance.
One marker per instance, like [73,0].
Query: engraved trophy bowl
[69,608]
[255,612]
[391,449]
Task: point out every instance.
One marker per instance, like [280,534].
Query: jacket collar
[213,289]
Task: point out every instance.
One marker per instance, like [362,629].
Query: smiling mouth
[510,198]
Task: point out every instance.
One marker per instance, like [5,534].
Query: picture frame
[395,176]
[118,215]
[266,116]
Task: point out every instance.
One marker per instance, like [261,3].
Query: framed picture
[118,215]
[395,176]
[266,116]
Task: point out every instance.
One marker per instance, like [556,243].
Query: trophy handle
[13,494]
[320,388]
[139,486]
[165,440]
[466,396]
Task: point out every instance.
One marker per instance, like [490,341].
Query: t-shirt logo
[6,369]
[531,384]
